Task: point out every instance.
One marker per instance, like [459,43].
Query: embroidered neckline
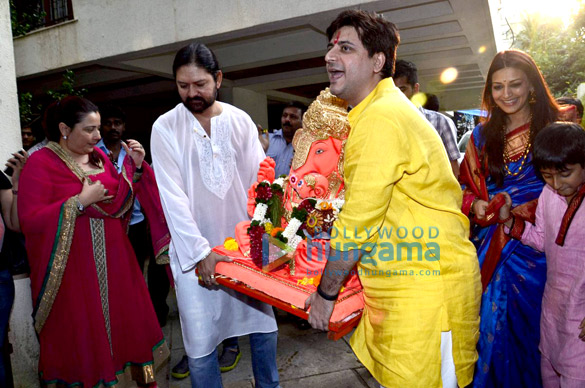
[72,164]
[217,161]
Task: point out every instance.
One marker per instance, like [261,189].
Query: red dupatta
[148,196]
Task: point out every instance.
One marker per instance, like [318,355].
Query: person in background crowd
[92,313]
[280,141]
[559,231]
[573,109]
[31,132]
[40,144]
[206,155]
[28,137]
[431,102]
[415,331]
[113,120]
[406,79]
[499,158]
[263,137]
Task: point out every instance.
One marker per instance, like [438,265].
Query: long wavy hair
[544,110]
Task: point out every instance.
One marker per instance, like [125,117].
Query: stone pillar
[253,103]
[10,125]
[21,336]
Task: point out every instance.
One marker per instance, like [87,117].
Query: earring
[532,99]
[64,137]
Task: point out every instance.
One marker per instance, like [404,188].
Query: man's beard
[199,104]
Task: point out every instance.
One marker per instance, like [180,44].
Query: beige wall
[10,123]
[108,28]
[255,104]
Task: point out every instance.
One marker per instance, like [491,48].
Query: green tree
[31,110]
[559,51]
[26,16]
[67,87]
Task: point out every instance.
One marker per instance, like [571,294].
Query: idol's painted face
[511,90]
[82,138]
[197,88]
[565,182]
[352,72]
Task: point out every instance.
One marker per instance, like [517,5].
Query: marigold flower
[275,231]
[231,244]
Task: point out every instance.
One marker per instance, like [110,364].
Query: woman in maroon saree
[92,313]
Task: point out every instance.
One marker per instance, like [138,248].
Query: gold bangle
[471,211]
[511,216]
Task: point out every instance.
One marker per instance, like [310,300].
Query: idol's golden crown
[326,116]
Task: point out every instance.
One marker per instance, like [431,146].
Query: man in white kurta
[206,155]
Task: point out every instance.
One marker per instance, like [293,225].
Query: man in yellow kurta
[401,220]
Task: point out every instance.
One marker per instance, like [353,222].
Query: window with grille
[57,11]
[34,14]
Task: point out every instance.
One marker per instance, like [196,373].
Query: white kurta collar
[217,161]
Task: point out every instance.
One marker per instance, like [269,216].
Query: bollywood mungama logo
[415,244]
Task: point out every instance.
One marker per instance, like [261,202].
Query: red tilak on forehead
[337,37]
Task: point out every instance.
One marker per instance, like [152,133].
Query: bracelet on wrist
[14,192]
[80,207]
[506,220]
[325,296]
[471,211]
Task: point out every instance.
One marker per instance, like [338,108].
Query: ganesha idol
[298,210]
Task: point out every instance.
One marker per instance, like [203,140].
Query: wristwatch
[80,206]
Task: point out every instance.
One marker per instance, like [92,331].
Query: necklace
[523,157]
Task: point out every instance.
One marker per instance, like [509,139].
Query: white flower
[260,212]
[330,218]
[338,203]
[292,228]
[278,181]
[294,242]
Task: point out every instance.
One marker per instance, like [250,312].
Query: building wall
[108,28]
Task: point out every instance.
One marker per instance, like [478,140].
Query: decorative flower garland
[311,215]
[268,212]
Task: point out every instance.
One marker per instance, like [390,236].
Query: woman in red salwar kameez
[92,313]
